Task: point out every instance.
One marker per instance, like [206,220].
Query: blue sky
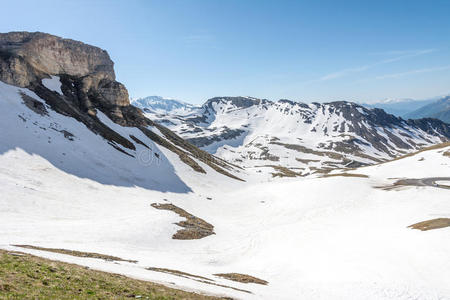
[299,50]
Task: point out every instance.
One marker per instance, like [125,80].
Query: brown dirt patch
[195,278]
[177,273]
[243,278]
[345,175]
[283,171]
[434,147]
[77,253]
[431,224]
[306,161]
[194,227]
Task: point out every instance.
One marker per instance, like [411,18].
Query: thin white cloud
[349,71]
[344,72]
[416,53]
[400,52]
[412,72]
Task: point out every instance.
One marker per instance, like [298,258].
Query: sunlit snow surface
[310,238]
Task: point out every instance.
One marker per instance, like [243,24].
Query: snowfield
[338,237]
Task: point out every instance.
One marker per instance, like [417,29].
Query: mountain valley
[240,198]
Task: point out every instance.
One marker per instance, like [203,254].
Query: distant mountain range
[437,107]
[306,138]
[400,107]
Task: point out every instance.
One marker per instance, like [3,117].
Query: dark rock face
[241,102]
[227,134]
[431,126]
[378,118]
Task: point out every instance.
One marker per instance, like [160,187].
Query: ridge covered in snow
[306,138]
[160,105]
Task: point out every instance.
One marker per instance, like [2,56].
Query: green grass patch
[24,276]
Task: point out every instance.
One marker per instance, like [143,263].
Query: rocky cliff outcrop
[27,58]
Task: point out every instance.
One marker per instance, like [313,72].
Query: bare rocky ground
[431,181]
[194,227]
[197,278]
[77,253]
[431,224]
[244,278]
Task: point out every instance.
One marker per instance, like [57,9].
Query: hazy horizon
[379,101]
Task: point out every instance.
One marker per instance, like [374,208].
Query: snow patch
[53,84]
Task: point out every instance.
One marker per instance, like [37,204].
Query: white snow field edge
[310,238]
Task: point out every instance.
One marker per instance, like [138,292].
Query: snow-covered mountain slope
[29,125]
[310,238]
[157,104]
[439,109]
[305,138]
